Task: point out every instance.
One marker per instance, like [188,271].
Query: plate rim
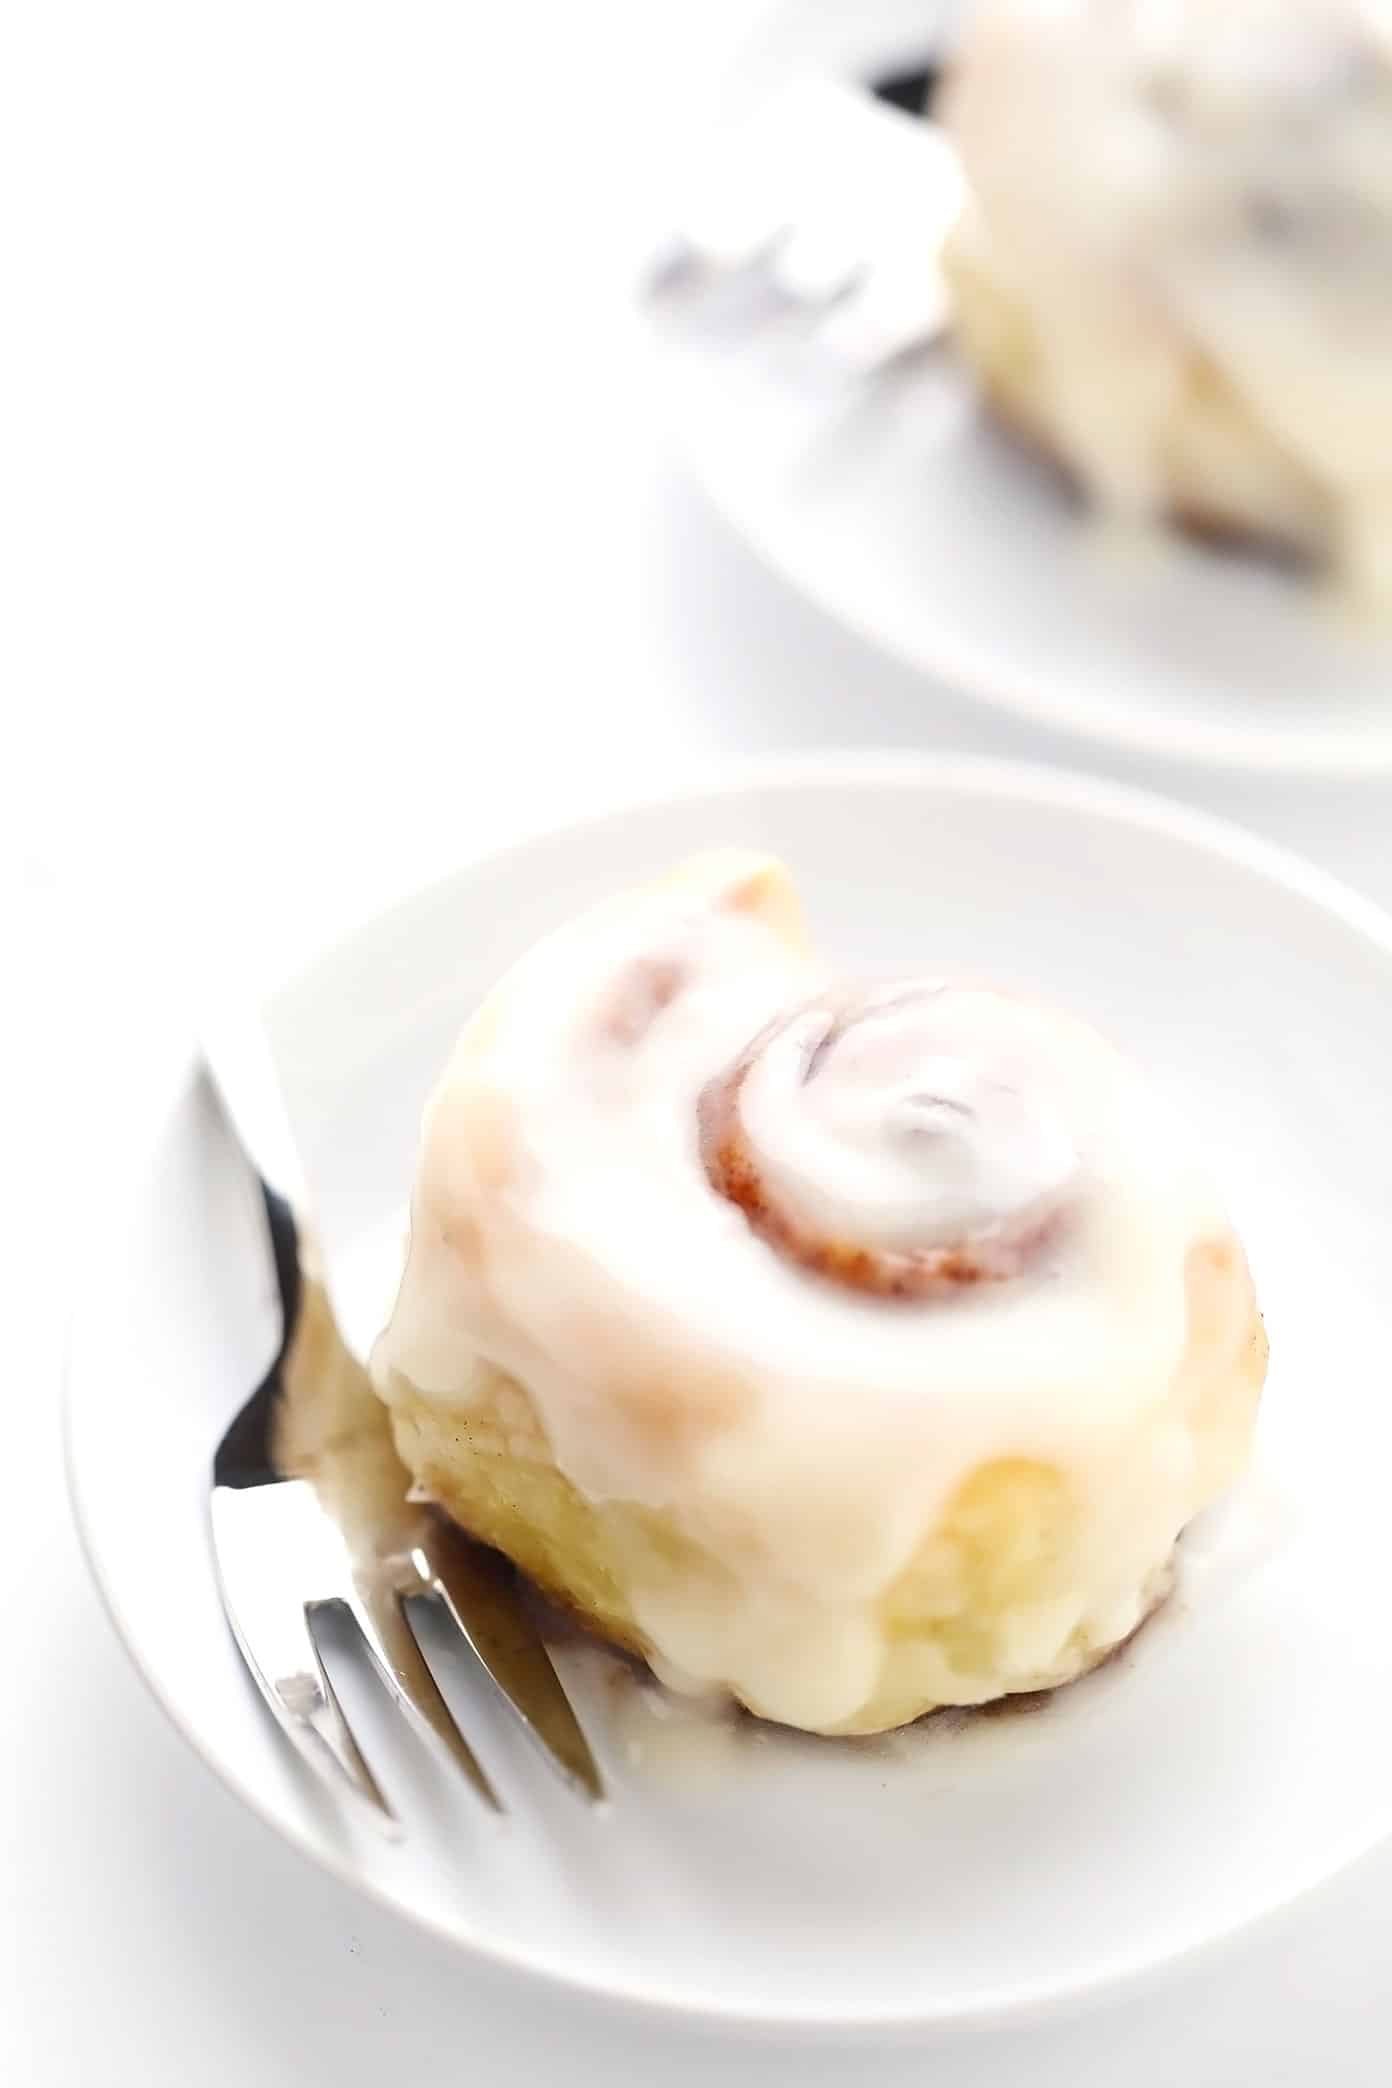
[982,775]
[1210,746]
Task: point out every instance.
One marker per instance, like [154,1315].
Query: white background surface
[338,539]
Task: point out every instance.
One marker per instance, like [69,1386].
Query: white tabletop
[345,540]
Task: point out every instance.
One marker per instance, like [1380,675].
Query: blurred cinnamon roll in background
[853,1349]
[1175,271]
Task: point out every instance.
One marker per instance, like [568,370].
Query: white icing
[924,1123]
[1159,176]
[601,1260]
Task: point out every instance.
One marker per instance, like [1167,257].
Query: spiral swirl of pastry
[893,1139]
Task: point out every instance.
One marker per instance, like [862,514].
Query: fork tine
[309,1712]
[278,1646]
[378,1613]
[479,1591]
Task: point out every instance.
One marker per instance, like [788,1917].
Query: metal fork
[843,201]
[347,1535]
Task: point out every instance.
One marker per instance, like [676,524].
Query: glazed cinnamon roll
[851,1348]
[1175,271]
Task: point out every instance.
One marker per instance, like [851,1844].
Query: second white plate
[896,506]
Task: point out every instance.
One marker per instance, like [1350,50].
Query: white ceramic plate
[898,508]
[1236,1756]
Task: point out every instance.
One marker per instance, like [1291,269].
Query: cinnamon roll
[1175,270]
[851,1348]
